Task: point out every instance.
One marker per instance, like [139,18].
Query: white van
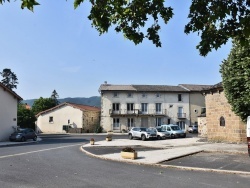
[174,131]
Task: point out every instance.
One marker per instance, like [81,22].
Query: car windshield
[175,128]
[159,130]
[143,129]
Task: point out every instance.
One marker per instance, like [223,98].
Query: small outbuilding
[68,117]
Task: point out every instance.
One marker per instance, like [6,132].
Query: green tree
[236,79]
[55,96]
[9,79]
[42,104]
[216,21]
[25,117]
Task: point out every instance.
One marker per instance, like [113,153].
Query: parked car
[192,129]
[23,135]
[142,133]
[160,133]
[174,130]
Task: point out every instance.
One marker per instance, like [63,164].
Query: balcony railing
[138,112]
[181,115]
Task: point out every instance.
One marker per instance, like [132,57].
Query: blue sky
[56,48]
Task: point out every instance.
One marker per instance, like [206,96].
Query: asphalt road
[58,162]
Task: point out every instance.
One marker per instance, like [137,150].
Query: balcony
[181,115]
[136,112]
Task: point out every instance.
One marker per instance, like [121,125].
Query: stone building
[222,124]
[68,117]
[126,106]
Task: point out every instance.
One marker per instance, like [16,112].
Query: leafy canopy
[43,104]
[9,78]
[216,21]
[25,117]
[235,73]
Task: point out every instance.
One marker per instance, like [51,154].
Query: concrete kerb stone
[167,166]
[204,147]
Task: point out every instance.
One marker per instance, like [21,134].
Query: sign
[248,126]
[248,134]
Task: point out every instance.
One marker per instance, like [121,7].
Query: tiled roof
[109,87]
[217,86]
[158,88]
[11,92]
[78,106]
[193,87]
[154,88]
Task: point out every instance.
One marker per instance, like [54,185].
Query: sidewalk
[165,150]
[8,143]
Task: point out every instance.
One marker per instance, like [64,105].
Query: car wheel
[158,137]
[172,135]
[35,138]
[130,136]
[23,139]
[143,137]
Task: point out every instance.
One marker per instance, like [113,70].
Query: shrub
[128,149]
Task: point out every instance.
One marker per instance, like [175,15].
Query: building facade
[67,116]
[126,106]
[223,125]
[8,111]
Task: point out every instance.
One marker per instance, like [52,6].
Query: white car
[159,132]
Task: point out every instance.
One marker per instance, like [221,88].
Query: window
[92,119]
[158,121]
[158,95]
[116,123]
[179,97]
[130,95]
[51,119]
[130,106]
[144,107]
[169,121]
[222,121]
[203,110]
[144,95]
[115,94]
[158,107]
[130,123]
[116,107]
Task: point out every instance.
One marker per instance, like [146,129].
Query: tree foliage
[25,117]
[55,96]
[9,79]
[236,79]
[216,21]
[43,104]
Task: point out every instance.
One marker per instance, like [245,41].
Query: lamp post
[248,134]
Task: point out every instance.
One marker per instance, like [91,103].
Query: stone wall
[202,127]
[217,108]
[91,119]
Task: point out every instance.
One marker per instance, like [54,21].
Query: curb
[19,143]
[168,166]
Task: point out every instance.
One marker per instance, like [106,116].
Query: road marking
[18,154]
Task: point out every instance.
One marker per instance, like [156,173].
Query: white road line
[18,154]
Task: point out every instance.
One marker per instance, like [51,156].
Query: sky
[55,47]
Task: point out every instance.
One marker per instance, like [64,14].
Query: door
[144,122]
[181,124]
[130,123]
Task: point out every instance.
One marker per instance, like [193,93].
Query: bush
[128,149]
[98,129]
